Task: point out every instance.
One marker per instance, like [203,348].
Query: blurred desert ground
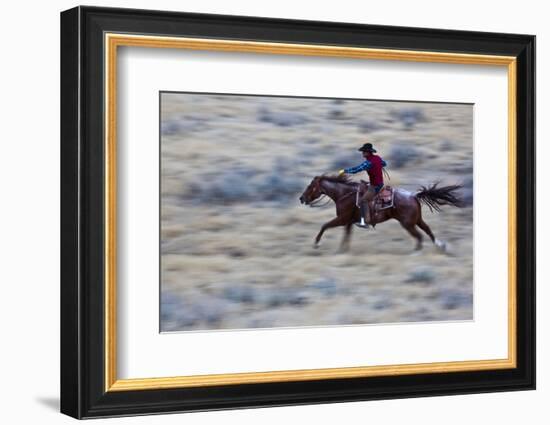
[236,244]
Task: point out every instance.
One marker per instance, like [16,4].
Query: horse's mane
[341,178]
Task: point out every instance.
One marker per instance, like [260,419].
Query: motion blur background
[236,244]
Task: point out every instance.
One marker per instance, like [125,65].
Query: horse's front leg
[337,221]
[344,245]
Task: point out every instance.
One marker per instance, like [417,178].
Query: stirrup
[363,224]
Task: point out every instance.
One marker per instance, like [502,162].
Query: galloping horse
[406,206]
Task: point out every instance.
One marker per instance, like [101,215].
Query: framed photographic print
[261,212]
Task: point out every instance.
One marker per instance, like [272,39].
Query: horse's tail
[434,197]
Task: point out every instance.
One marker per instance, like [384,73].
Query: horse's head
[312,192]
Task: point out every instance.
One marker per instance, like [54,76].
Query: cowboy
[373,165]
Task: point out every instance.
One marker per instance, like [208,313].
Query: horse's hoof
[316,245]
[441,246]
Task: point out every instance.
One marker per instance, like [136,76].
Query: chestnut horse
[406,206]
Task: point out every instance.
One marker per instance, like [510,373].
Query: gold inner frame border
[113,40]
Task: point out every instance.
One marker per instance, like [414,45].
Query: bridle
[317,202]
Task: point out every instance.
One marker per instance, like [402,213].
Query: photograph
[262,211]
[280,211]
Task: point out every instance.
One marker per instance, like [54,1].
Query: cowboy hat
[367,147]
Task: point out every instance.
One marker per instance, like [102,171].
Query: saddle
[384,198]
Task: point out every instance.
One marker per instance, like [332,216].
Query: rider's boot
[364,216]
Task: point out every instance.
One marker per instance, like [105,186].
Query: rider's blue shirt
[364,166]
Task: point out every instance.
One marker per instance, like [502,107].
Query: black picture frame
[83,392]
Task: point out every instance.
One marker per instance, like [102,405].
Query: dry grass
[237,245]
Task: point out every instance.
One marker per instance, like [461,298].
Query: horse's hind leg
[411,228]
[422,224]
[442,246]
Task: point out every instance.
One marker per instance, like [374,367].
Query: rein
[318,188]
[317,202]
